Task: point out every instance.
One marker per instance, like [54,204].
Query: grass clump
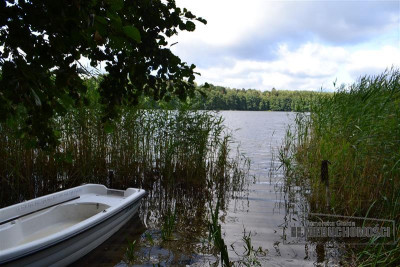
[251,255]
[358,130]
[215,235]
[168,226]
[130,252]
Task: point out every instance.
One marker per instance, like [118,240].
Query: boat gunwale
[41,209]
[32,247]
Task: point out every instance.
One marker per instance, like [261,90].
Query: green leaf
[190,26]
[117,42]
[57,133]
[69,158]
[66,101]
[36,97]
[116,4]
[101,20]
[189,15]
[108,128]
[201,20]
[132,32]
[115,20]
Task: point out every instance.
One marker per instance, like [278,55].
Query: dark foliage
[42,41]
[221,98]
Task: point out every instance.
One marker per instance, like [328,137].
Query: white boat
[58,229]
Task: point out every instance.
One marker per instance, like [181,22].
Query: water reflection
[270,205]
[259,216]
[187,242]
[298,215]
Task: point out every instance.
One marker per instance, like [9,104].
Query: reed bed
[181,157]
[358,131]
[138,148]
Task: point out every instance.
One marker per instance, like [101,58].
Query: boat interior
[49,220]
[46,222]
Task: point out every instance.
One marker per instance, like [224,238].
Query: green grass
[358,131]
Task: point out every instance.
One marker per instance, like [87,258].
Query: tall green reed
[358,131]
[137,148]
[181,157]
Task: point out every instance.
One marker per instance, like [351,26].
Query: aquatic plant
[215,235]
[168,226]
[130,252]
[179,156]
[149,238]
[358,130]
[250,251]
[139,148]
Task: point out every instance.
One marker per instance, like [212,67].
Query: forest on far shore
[222,98]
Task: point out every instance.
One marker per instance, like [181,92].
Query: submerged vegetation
[181,157]
[135,149]
[215,235]
[168,226]
[358,131]
[130,252]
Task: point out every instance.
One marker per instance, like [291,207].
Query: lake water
[264,213]
[261,214]
[258,134]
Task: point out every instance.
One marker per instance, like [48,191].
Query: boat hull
[70,248]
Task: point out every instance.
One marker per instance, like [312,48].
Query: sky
[290,45]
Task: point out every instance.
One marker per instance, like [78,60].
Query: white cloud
[227,21]
[373,61]
[310,59]
[309,67]
[290,44]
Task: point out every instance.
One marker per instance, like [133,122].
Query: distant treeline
[221,98]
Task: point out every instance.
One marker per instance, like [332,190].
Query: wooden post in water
[110,178]
[320,250]
[325,180]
